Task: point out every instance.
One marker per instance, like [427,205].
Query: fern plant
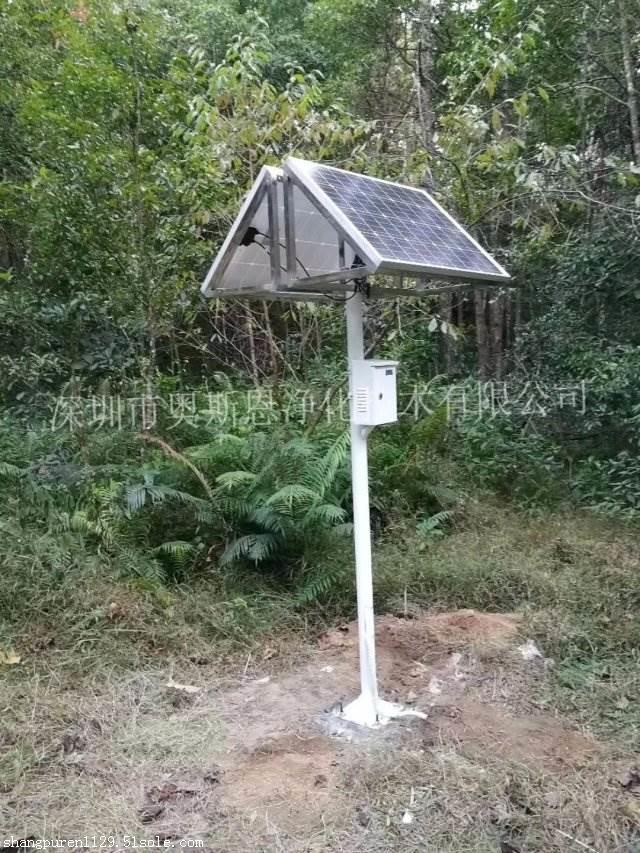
[286,500]
[254,500]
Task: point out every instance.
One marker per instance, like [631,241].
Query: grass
[575,577]
[461,804]
[96,652]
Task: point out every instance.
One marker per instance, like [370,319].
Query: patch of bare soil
[267,764]
[539,742]
[290,745]
[293,779]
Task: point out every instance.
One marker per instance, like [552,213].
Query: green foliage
[610,486]
[261,500]
[512,459]
[285,502]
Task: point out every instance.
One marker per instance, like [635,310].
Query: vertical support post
[363,710]
[290,229]
[274,231]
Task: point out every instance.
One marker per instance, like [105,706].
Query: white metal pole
[365,709]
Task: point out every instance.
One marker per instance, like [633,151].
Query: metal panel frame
[274,233]
[328,278]
[297,173]
[290,228]
[272,295]
[300,169]
[253,200]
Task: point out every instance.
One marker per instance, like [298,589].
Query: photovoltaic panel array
[404,225]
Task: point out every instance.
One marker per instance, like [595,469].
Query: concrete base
[373,713]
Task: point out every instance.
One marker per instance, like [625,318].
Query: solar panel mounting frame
[368,709]
[300,171]
[285,283]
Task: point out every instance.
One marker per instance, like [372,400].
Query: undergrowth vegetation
[133,545]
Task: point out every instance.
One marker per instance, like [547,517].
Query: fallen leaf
[530,651]
[631,810]
[630,780]
[115,611]
[9,658]
[150,812]
[73,743]
[213,776]
[362,817]
[435,686]
[554,799]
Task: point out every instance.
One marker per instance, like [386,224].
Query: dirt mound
[469,626]
[421,647]
[415,638]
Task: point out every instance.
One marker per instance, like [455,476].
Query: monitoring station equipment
[312,232]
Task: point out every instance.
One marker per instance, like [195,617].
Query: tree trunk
[496,323]
[508,321]
[482,333]
[629,75]
[252,344]
[271,344]
[446,311]
[424,83]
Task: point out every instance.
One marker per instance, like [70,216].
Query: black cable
[250,237]
[268,251]
[361,285]
[341,299]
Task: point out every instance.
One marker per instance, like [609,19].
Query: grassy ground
[95,656]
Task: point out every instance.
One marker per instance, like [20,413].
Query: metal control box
[373,392]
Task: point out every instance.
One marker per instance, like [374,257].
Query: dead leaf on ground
[169,791]
[631,810]
[9,658]
[150,812]
[183,688]
[554,799]
[73,743]
[213,776]
[630,781]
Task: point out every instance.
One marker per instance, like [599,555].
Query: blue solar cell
[404,225]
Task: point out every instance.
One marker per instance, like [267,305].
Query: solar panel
[404,226]
[311,228]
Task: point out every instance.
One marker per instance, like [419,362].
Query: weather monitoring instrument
[311,232]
